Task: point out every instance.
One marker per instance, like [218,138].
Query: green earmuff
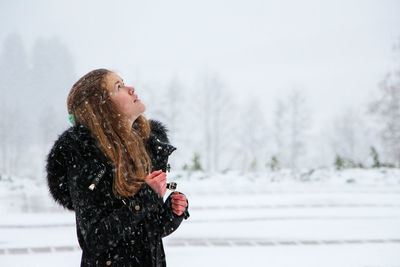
[71,119]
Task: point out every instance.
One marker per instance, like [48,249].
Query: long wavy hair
[90,104]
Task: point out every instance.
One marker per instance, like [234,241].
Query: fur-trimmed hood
[77,143]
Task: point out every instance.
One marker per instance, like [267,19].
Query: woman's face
[124,97]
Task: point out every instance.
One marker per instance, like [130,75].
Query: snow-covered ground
[319,218]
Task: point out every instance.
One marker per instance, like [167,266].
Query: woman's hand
[179,203]
[157,180]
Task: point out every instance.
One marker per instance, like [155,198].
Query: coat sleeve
[99,228]
[169,220]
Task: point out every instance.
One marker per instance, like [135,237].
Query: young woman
[110,168]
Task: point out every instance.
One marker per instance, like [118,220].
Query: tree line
[213,132]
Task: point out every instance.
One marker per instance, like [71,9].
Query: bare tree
[212,117]
[299,125]
[350,137]
[176,118]
[254,139]
[387,110]
[292,122]
[280,131]
[174,96]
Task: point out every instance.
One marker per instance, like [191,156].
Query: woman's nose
[131,90]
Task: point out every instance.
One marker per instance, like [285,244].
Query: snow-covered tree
[175,104]
[254,138]
[292,123]
[280,131]
[13,92]
[33,100]
[350,136]
[52,76]
[176,116]
[212,119]
[387,110]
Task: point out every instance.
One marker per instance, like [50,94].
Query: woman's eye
[119,86]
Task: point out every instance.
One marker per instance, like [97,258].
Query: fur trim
[56,167]
[159,130]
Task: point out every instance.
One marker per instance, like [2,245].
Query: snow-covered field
[319,218]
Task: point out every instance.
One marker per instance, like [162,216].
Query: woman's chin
[143,109]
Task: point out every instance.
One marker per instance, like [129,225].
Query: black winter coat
[111,232]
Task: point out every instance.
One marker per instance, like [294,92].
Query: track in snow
[215,242]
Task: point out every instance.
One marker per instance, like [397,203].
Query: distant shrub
[377,163]
[306,176]
[195,164]
[273,164]
[375,157]
[253,165]
[341,163]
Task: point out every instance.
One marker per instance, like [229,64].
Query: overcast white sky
[336,51]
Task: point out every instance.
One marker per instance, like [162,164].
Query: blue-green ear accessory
[71,119]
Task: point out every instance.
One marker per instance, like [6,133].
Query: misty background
[241,85]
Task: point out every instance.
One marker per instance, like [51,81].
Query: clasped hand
[157,180]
